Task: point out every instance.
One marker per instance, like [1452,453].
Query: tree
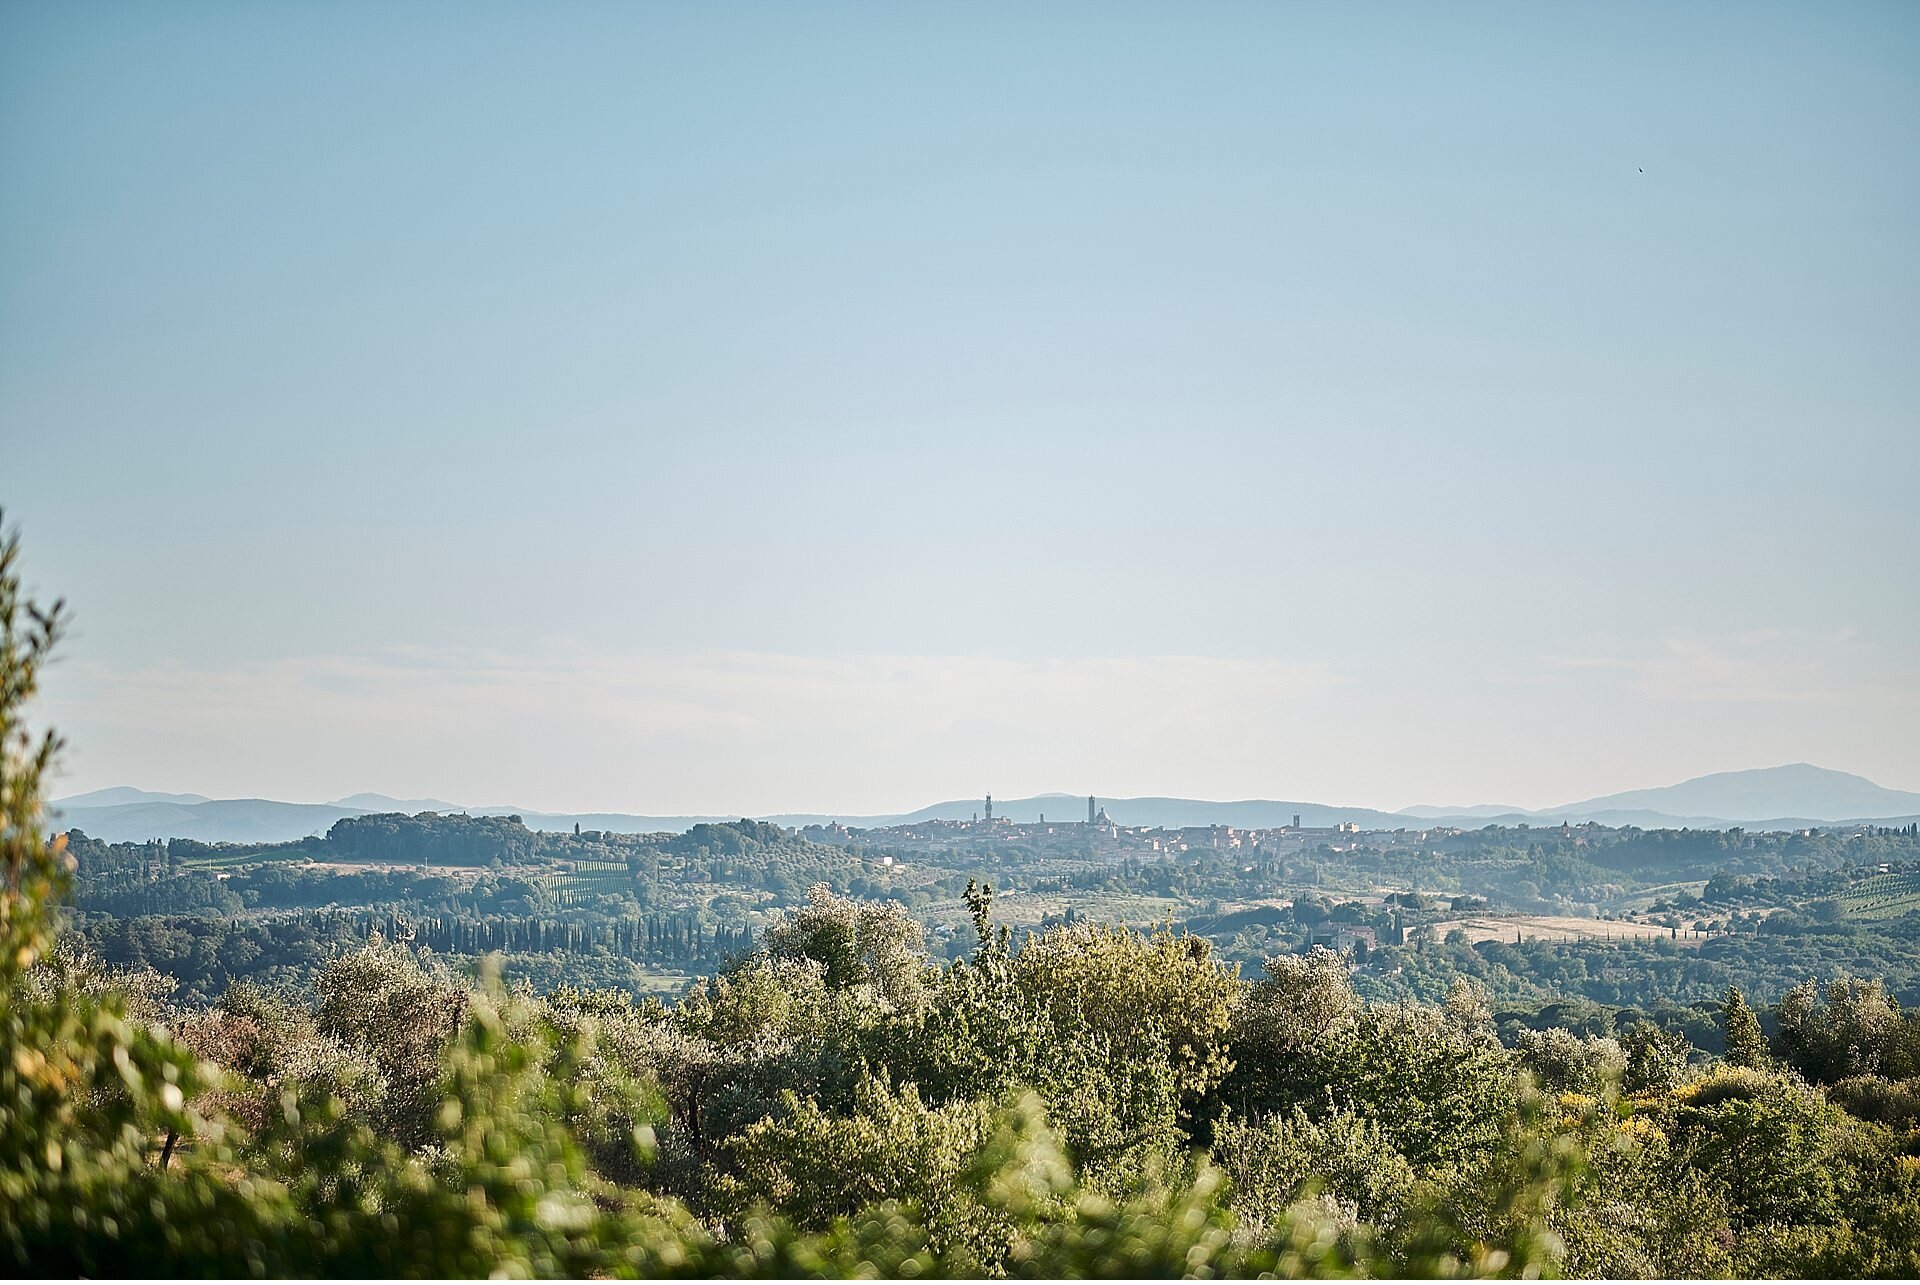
[397,1014]
[34,869]
[1344,1158]
[1846,1028]
[857,943]
[1656,1058]
[1746,1046]
[1568,1063]
[1770,1139]
[814,1165]
[1286,1028]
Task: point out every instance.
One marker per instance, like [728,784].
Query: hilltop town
[1099,835]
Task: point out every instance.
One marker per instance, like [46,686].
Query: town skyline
[1786,798]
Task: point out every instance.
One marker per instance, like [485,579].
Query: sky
[743,408]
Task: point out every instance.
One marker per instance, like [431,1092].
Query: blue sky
[760,407]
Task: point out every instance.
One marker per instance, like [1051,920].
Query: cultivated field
[1885,896]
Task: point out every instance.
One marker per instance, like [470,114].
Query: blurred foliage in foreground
[1100,1102]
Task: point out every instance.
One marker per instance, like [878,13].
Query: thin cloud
[693,731]
[1757,667]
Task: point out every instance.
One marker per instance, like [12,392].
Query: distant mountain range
[116,795]
[1798,789]
[1790,797]
[1793,797]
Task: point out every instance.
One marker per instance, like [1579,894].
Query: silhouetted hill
[116,795]
[213,821]
[1794,797]
[385,803]
[1795,790]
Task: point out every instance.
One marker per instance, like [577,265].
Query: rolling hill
[1794,790]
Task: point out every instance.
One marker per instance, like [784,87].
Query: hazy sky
[713,408]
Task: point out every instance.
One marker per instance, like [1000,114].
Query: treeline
[152,879]
[431,839]
[426,839]
[288,887]
[728,838]
[1658,856]
[208,955]
[682,940]
[1783,951]
[587,878]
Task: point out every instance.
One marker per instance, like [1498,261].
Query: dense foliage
[1080,1099]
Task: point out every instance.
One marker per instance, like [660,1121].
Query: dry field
[1549,928]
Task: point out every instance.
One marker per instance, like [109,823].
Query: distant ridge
[116,795]
[1792,796]
[385,803]
[1796,796]
[213,821]
[1795,789]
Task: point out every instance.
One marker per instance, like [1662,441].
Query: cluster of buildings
[1107,837]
